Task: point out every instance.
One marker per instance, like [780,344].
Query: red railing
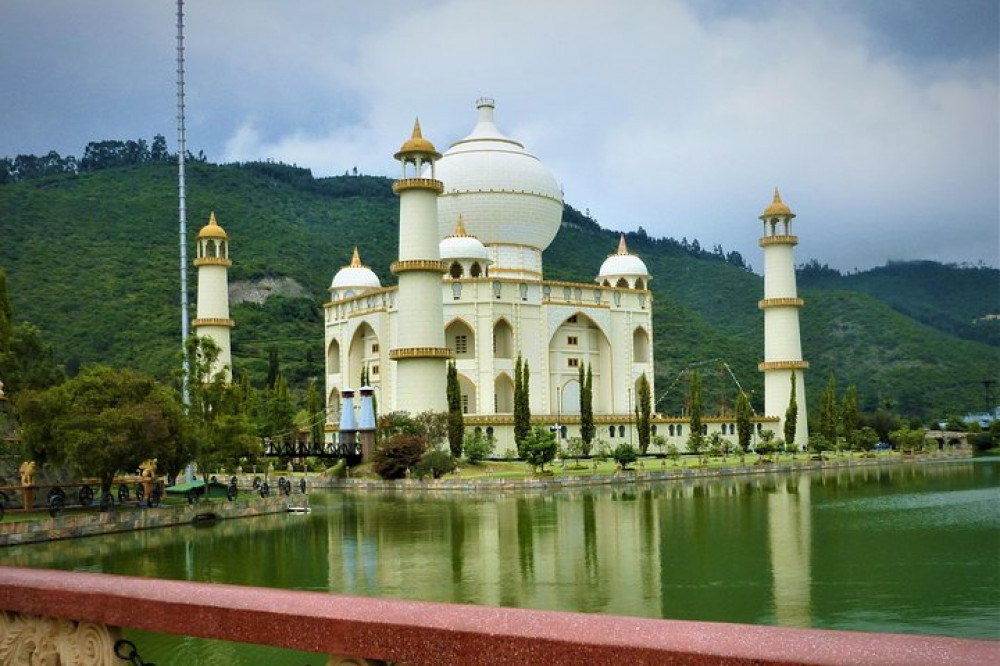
[409,632]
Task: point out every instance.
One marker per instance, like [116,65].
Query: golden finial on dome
[356,259]
[460,227]
[622,248]
[777,207]
[212,229]
[417,144]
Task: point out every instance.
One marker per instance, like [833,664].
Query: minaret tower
[420,353]
[781,304]
[213,265]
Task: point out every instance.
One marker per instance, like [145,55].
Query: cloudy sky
[877,119]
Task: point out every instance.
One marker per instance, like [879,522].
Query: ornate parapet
[418,184]
[420,352]
[32,639]
[783,365]
[766,303]
[418,265]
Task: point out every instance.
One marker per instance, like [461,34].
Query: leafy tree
[574,449]
[695,439]
[433,427]
[317,413]
[818,444]
[540,448]
[849,415]
[828,412]
[435,463]
[397,454]
[220,433]
[399,423]
[643,410]
[478,447]
[522,407]
[273,368]
[866,439]
[102,422]
[625,454]
[881,421]
[791,415]
[744,424]
[456,420]
[587,427]
[673,453]
[158,152]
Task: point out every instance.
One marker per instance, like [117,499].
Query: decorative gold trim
[779,240]
[604,419]
[783,365]
[419,352]
[539,195]
[425,265]
[580,305]
[357,297]
[212,261]
[213,321]
[418,184]
[522,271]
[765,303]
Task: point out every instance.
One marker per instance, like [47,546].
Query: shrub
[625,454]
[478,447]
[539,448]
[397,454]
[435,463]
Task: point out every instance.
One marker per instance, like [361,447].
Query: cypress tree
[521,424]
[828,412]
[456,420]
[587,428]
[849,415]
[791,417]
[643,411]
[695,438]
[317,413]
[744,426]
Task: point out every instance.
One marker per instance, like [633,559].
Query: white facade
[212,261]
[499,208]
[781,304]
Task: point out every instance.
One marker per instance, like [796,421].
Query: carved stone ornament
[27,640]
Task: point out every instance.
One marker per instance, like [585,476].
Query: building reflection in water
[789,534]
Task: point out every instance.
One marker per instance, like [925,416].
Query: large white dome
[504,194]
[355,276]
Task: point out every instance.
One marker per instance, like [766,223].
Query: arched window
[489,431]
[503,340]
[639,284]
[333,358]
[611,431]
[680,430]
[523,288]
[670,429]
[562,432]
[503,394]
[456,291]
[476,270]
[640,345]
[460,339]
[621,431]
[622,283]
[652,429]
[606,283]
[456,270]
[468,390]
[223,250]
[210,248]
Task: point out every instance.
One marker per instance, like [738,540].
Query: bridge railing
[49,610]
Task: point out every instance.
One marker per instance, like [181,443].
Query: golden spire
[418,135]
[418,144]
[356,259]
[212,229]
[460,227]
[622,248]
[778,207]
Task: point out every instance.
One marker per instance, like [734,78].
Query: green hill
[92,261]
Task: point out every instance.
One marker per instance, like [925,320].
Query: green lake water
[911,548]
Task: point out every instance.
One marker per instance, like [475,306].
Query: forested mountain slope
[92,260]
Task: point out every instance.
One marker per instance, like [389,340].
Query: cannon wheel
[256,482]
[140,493]
[57,492]
[86,495]
[107,502]
[56,505]
[122,493]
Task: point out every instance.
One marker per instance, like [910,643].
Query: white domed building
[497,208]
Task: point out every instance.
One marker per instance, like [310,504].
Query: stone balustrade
[49,616]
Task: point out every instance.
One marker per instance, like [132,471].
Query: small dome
[460,245]
[355,276]
[417,144]
[777,207]
[212,229]
[623,264]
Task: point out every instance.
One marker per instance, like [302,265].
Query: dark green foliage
[819,443]
[625,454]
[744,425]
[478,447]
[828,416]
[791,414]
[317,412]
[540,448]
[849,416]
[103,422]
[587,427]
[642,411]
[695,438]
[397,454]
[522,409]
[456,420]
[435,463]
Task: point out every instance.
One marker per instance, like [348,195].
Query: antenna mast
[182,202]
